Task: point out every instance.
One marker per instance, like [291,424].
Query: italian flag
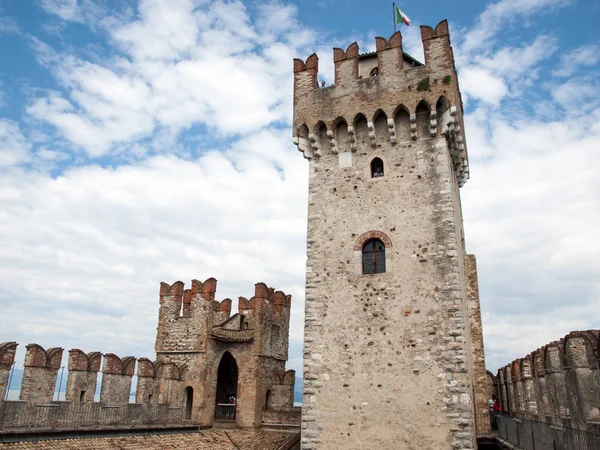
[401,17]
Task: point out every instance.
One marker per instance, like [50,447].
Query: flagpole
[394,15]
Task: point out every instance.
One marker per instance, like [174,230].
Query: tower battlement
[188,318]
[379,97]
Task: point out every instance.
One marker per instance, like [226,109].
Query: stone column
[581,385]
[555,381]
[540,388]
[512,396]
[116,379]
[83,375]
[7,358]
[39,376]
[517,388]
[529,403]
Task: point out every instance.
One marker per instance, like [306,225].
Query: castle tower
[392,346]
[205,354]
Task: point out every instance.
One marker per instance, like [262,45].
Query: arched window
[268,400]
[373,256]
[374,72]
[376,168]
[189,401]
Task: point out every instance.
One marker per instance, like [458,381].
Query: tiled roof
[203,440]
[223,334]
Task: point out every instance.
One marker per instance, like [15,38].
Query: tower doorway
[227,381]
[189,400]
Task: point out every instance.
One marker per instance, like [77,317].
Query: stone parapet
[21,416]
[558,383]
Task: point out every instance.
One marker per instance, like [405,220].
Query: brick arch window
[373,256]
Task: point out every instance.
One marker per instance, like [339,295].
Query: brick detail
[373,234]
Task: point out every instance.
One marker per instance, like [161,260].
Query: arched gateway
[227,382]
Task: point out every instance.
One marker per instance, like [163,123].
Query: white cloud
[512,62]
[531,217]
[65,9]
[482,85]
[14,148]
[570,61]
[503,14]
[8,25]
[87,250]
[577,95]
[182,66]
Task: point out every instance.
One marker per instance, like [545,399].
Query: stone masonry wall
[39,375]
[83,375]
[20,416]
[116,379]
[481,392]
[387,357]
[558,383]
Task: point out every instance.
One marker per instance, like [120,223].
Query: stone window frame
[358,246]
[367,170]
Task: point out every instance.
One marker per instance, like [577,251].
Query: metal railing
[225,411]
[533,435]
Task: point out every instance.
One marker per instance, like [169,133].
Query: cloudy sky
[148,141]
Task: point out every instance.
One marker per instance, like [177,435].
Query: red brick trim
[373,234]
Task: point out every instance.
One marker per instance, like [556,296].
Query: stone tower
[204,353]
[393,350]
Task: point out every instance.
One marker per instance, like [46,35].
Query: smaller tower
[223,355]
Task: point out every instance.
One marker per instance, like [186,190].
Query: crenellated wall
[195,333]
[558,383]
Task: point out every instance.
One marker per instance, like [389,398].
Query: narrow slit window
[373,257]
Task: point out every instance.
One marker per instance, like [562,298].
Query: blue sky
[150,141]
